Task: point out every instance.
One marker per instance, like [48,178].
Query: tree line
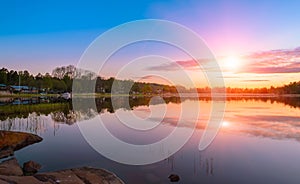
[42,82]
[62,80]
[291,88]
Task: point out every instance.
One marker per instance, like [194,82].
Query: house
[34,90]
[4,89]
[24,89]
[20,89]
[2,86]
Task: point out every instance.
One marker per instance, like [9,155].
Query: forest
[61,80]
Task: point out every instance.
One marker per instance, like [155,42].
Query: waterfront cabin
[4,89]
[24,89]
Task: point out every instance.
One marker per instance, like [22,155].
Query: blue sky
[39,35]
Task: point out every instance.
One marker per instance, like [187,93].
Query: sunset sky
[256,43]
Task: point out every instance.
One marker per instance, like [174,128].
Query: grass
[13,111]
[75,95]
[22,95]
[106,95]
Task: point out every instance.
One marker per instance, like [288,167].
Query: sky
[256,43]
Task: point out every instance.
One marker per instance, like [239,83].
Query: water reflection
[201,164]
[277,118]
[248,149]
[33,123]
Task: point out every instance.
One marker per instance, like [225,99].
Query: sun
[231,63]
[225,124]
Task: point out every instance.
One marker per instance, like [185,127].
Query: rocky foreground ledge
[12,173]
[13,141]
[84,175]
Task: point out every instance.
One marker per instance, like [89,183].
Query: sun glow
[225,124]
[231,62]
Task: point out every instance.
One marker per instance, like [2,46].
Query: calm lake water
[259,141]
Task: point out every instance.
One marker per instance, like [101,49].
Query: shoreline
[151,95]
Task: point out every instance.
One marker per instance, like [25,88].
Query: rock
[174,178]
[11,173]
[93,175]
[6,152]
[20,180]
[80,176]
[62,177]
[12,141]
[10,167]
[31,167]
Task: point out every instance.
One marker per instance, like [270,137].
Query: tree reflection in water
[30,117]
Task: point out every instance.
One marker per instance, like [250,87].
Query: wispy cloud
[146,77]
[273,61]
[266,62]
[178,65]
[255,80]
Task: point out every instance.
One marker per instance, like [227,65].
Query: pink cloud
[274,61]
[266,62]
[177,65]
